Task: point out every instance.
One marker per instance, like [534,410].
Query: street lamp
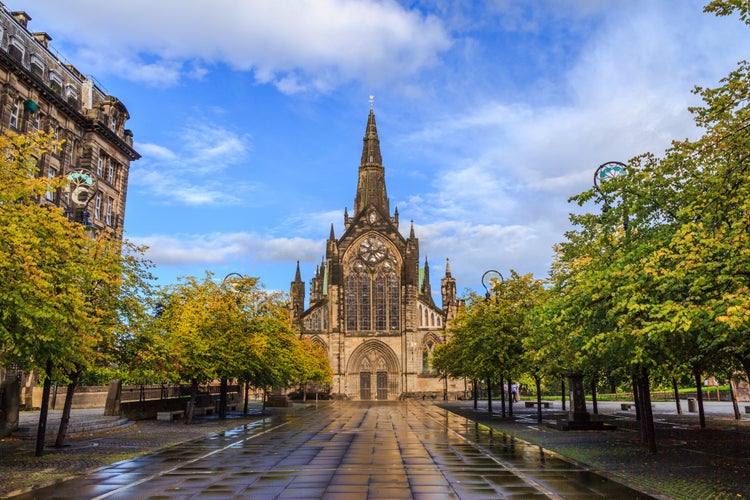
[491,278]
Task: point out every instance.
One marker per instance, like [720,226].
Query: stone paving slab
[691,463]
[348,450]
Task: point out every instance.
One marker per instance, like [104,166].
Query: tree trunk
[304,392]
[676,391]
[648,416]
[735,405]
[41,429]
[475,390]
[745,362]
[538,383]
[223,398]
[510,397]
[594,406]
[562,389]
[699,395]
[489,397]
[636,399]
[247,392]
[65,418]
[502,397]
[191,404]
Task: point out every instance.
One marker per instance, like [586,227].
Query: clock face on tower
[372,250]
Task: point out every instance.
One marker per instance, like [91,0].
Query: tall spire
[371,184]
[371,147]
[297,275]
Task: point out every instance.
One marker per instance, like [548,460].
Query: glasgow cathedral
[371,305]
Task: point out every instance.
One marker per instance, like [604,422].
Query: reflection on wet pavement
[348,450]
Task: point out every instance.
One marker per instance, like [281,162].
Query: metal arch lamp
[490,278]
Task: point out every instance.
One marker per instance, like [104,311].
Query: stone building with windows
[371,304]
[40,91]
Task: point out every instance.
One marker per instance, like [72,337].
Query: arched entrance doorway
[373,372]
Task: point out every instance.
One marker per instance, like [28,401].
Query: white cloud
[296,45]
[196,174]
[507,167]
[221,248]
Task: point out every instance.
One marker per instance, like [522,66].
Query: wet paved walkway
[347,450]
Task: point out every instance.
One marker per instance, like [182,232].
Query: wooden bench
[747,409]
[626,406]
[204,410]
[231,406]
[168,416]
[532,404]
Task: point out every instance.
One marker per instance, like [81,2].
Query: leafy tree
[59,289]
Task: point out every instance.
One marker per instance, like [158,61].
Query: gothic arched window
[372,288]
[427,352]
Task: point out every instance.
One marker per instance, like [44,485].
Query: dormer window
[16,49]
[71,93]
[55,81]
[37,65]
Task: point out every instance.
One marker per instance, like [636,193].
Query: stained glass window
[380,303]
[351,302]
[364,302]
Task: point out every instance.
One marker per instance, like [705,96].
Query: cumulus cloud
[197,173]
[221,248]
[296,45]
[508,166]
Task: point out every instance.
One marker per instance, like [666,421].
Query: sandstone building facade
[39,91]
[371,305]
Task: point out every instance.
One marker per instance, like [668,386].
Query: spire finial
[447,267]
[372,101]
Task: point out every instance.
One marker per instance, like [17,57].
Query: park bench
[204,410]
[532,404]
[747,409]
[626,406]
[168,416]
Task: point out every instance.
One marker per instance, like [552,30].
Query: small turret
[297,293]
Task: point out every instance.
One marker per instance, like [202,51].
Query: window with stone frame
[428,351]
[98,206]
[372,288]
[108,212]
[110,170]
[51,174]
[15,113]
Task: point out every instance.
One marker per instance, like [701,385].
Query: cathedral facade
[371,304]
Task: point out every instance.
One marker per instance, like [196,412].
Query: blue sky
[491,114]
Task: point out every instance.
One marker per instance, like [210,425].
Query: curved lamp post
[490,278]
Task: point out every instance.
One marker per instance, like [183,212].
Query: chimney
[21,18]
[42,38]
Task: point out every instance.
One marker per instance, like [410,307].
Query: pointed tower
[371,184]
[297,293]
[448,291]
[426,290]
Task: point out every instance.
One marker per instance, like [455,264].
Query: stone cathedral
[371,303]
